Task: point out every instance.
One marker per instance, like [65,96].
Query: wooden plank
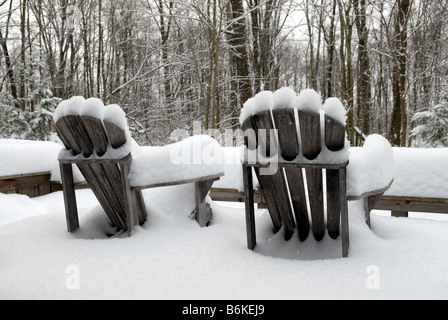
[249,205]
[333,203]
[139,206]
[203,213]
[369,204]
[214,177]
[124,194]
[267,143]
[280,190]
[80,134]
[250,136]
[298,199]
[68,135]
[271,203]
[233,195]
[110,177]
[310,131]
[285,124]
[334,134]
[412,204]
[97,134]
[102,193]
[117,136]
[345,234]
[71,210]
[31,185]
[400,214]
[315,191]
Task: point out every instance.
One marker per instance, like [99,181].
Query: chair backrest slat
[97,134]
[117,136]
[285,123]
[334,134]
[310,131]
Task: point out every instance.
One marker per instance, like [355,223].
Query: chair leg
[68,189]
[203,210]
[344,212]
[250,211]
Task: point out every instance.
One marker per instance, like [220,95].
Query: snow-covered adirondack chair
[291,143]
[98,141]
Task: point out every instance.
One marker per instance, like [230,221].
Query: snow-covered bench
[98,141]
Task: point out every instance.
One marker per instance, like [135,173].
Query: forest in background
[171,63]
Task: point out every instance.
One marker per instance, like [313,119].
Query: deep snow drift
[171,257]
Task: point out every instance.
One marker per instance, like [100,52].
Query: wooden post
[344,212]
[203,211]
[131,219]
[250,211]
[68,187]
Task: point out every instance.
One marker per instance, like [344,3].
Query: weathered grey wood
[344,212]
[102,192]
[203,212]
[250,135]
[71,210]
[412,204]
[315,190]
[400,214]
[80,134]
[333,203]
[32,185]
[280,190]
[310,131]
[97,134]
[139,206]
[130,214]
[250,210]
[117,136]
[285,124]
[369,203]
[298,199]
[268,192]
[68,134]
[267,143]
[177,182]
[233,195]
[334,134]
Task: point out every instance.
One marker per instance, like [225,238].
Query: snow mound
[334,108]
[309,100]
[420,173]
[371,167]
[197,156]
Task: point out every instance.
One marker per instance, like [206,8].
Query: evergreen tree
[433,131]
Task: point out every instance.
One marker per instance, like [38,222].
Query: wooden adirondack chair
[100,149]
[299,146]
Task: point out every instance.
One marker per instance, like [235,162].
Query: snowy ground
[171,257]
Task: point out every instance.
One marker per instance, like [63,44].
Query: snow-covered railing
[421,182]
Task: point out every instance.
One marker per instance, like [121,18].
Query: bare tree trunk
[364,88]
[398,129]
[5,51]
[239,54]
